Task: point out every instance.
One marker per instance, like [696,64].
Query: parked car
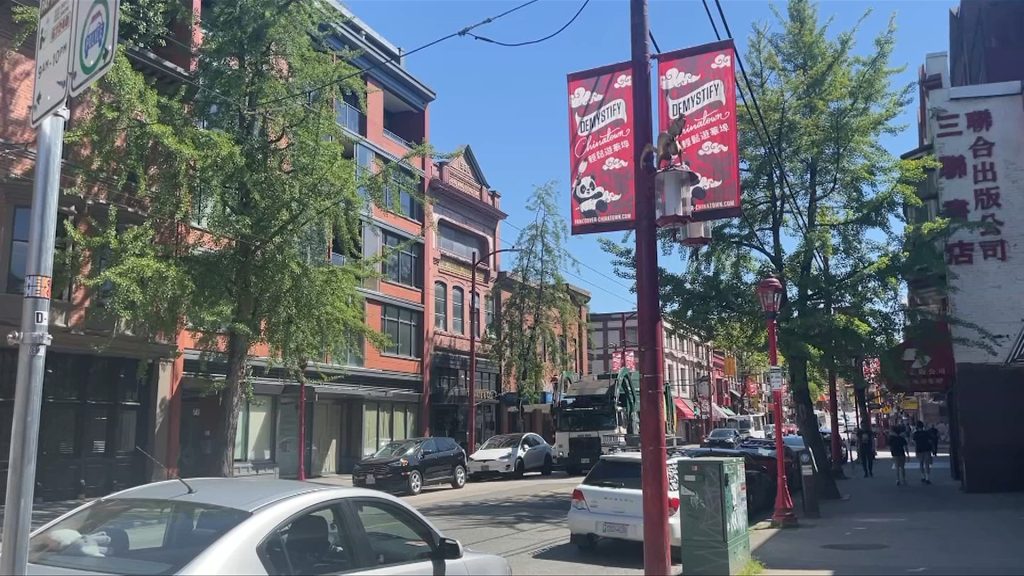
[511,455]
[608,504]
[409,465]
[249,526]
[844,448]
[766,449]
[722,438]
[759,471]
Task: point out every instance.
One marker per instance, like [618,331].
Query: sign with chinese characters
[975,133]
[602,149]
[700,84]
[976,164]
[923,363]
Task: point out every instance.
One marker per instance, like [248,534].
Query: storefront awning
[922,363]
[683,409]
[721,413]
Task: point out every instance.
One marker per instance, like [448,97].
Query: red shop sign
[601,149]
[700,84]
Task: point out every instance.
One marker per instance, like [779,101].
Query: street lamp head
[673,188]
[769,292]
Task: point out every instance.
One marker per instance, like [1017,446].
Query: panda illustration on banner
[592,199]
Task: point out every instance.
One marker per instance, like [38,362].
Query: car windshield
[723,433]
[615,474]
[395,449]
[793,441]
[133,536]
[504,441]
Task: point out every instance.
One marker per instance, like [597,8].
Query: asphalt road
[524,521]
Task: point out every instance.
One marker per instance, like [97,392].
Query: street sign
[95,39]
[53,47]
[775,377]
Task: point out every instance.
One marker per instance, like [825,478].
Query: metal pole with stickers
[75,46]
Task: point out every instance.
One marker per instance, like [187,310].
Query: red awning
[922,364]
[683,409]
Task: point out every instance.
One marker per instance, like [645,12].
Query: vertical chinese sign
[602,149]
[699,85]
[977,141]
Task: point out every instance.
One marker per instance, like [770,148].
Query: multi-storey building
[113,394]
[359,403]
[687,364]
[466,218]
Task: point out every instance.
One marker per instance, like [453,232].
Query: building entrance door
[326,439]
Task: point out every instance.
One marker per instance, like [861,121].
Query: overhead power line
[538,40]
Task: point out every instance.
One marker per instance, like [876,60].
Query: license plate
[370,480]
[584,460]
[485,468]
[614,528]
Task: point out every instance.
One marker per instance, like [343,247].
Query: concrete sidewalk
[881,528]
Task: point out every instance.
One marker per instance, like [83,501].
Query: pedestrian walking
[924,448]
[866,451]
[934,432]
[898,449]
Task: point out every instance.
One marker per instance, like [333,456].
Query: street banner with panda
[697,88]
[602,149]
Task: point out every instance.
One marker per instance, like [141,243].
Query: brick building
[467,216]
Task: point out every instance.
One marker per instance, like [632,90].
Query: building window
[458,310]
[62,284]
[459,242]
[488,312]
[397,195]
[440,306]
[402,327]
[385,422]
[404,264]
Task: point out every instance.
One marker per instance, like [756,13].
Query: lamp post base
[784,519]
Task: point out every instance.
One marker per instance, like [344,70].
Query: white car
[609,502]
[249,526]
[511,454]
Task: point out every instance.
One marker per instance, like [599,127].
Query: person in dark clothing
[866,451]
[898,449]
[934,432]
[924,448]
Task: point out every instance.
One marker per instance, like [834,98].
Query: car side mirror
[449,549]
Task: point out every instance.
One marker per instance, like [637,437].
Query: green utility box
[713,508]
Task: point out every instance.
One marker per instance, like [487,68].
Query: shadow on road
[545,509]
[612,554]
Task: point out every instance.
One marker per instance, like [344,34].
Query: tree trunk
[808,426]
[861,399]
[238,356]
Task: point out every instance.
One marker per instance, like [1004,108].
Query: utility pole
[32,340]
[652,399]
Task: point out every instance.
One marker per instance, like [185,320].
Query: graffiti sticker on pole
[699,84]
[602,148]
[95,42]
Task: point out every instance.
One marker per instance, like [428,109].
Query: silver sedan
[249,526]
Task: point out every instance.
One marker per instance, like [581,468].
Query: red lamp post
[769,292]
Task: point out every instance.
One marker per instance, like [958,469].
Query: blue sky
[509,104]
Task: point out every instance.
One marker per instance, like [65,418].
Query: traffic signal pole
[654,472]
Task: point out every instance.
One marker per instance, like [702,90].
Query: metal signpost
[74,47]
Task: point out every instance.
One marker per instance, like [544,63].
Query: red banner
[601,149]
[700,84]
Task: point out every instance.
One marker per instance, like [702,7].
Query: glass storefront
[254,437]
[384,422]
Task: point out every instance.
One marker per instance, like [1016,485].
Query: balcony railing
[397,138]
[349,117]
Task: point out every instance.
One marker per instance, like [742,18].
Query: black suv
[409,465]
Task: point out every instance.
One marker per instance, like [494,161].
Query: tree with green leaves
[537,309]
[250,152]
[821,209]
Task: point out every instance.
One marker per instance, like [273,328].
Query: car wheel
[520,469]
[549,466]
[458,477]
[586,542]
[415,482]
